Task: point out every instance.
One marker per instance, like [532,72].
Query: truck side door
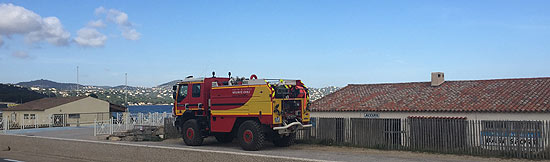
[196,98]
[182,98]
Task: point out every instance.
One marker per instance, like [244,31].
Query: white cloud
[118,17]
[18,20]
[90,37]
[52,31]
[100,10]
[20,54]
[96,24]
[131,34]
[121,19]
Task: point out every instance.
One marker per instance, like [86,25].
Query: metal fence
[25,123]
[515,139]
[103,123]
[122,122]
[28,121]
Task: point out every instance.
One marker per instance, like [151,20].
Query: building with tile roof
[60,111]
[497,99]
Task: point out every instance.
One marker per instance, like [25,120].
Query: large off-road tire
[224,137]
[191,133]
[285,141]
[250,135]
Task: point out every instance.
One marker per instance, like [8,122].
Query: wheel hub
[190,133]
[248,136]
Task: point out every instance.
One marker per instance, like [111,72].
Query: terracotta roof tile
[499,95]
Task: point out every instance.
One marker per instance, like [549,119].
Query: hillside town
[127,95]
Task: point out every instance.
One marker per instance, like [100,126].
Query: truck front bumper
[291,128]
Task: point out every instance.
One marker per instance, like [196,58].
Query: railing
[514,139]
[24,123]
[126,121]
[103,123]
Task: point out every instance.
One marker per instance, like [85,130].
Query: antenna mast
[126,89]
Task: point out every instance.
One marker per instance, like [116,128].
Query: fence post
[111,126]
[4,124]
[95,127]
[124,121]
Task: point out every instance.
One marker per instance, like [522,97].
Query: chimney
[437,78]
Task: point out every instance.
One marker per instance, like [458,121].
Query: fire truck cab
[250,110]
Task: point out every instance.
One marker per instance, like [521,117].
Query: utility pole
[77,81]
[126,89]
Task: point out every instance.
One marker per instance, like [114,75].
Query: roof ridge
[449,81]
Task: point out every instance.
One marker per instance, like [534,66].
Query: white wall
[40,117]
[469,115]
[89,109]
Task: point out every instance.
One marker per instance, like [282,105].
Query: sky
[323,43]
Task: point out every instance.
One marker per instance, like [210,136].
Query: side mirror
[174,95]
[175,87]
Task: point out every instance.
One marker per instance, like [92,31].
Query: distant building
[60,111]
[4,105]
[499,99]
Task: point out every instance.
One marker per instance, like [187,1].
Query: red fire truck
[251,110]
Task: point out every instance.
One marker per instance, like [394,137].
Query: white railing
[119,122]
[127,121]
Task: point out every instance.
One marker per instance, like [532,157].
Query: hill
[42,83]
[13,93]
[317,93]
[46,84]
[123,87]
[168,85]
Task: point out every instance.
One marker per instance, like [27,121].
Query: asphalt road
[96,149]
[18,156]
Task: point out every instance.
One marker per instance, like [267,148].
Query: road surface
[83,146]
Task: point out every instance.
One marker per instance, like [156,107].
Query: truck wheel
[251,136]
[191,133]
[224,138]
[285,141]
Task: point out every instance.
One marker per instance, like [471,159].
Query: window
[196,90]
[183,92]
[33,116]
[74,115]
[26,116]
